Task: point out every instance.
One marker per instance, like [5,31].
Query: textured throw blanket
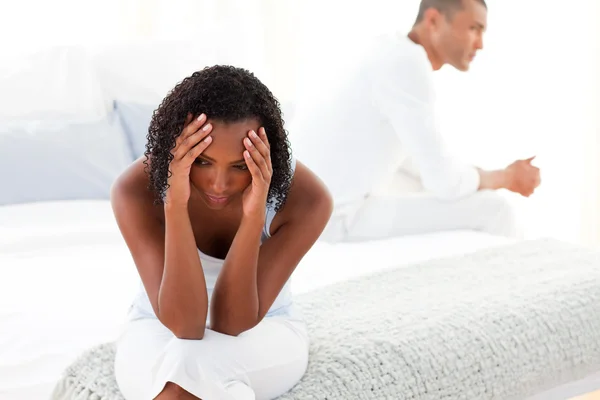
[501,323]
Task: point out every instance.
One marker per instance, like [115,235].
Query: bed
[68,280]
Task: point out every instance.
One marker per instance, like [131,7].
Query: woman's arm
[182,299]
[253,275]
[165,256]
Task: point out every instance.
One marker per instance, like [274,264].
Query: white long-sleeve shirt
[372,117]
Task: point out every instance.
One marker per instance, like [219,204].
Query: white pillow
[56,83]
[61,160]
[135,119]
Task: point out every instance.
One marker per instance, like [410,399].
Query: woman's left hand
[258,161]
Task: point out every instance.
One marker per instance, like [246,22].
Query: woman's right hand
[189,145]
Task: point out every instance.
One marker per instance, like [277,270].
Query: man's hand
[522,177]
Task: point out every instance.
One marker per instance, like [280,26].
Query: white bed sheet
[67,279]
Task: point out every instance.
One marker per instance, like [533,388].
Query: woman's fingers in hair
[259,143]
[191,126]
[259,154]
[262,134]
[252,167]
[195,151]
[192,140]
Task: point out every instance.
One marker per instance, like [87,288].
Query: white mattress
[52,255]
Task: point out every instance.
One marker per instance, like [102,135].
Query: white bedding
[54,253]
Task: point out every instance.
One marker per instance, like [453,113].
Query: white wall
[530,93]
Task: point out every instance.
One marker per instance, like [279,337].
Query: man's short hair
[446,7]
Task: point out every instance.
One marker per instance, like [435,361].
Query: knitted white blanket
[502,323]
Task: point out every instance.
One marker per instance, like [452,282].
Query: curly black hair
[227,94]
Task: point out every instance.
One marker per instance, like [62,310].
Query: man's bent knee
[500,216]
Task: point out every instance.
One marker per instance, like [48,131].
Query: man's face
[457,38]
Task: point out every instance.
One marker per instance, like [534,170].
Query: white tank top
[141,307]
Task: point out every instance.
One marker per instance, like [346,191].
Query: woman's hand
[258,161]
[189,145]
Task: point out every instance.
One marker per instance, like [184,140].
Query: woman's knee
[173,391]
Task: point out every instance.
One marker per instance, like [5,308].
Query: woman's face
[220,174]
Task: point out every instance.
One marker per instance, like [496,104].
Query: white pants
[384,216]
[262,363]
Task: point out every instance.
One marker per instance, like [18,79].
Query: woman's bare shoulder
[130,189]
[308,195]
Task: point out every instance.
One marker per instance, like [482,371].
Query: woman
[217,217]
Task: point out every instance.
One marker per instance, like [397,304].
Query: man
[372,137]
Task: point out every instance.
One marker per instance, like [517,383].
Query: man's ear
[432,18]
